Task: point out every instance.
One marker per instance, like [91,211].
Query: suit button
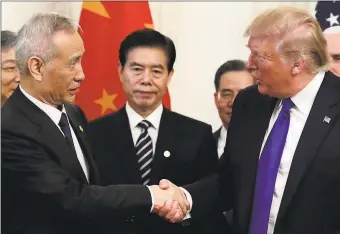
[130,219]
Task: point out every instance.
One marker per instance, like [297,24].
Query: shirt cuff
[189,199]
[152,199]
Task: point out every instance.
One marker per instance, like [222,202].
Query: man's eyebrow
[75,58]
[9,61]
[335,56]
[158,66]
[135,64]
[226,90]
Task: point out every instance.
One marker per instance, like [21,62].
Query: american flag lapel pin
[326,119]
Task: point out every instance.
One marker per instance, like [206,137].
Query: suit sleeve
[31,171]
[204,191]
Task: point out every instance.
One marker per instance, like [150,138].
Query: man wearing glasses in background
[230,78]
[9,73]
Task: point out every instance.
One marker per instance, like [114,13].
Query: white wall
[206,34]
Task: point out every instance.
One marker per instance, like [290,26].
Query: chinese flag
[103,26]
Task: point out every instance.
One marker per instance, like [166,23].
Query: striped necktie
[144,151]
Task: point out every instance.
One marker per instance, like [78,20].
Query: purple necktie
[269,163]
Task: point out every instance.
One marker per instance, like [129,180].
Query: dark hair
[231,65]
[8,40]
[148,38]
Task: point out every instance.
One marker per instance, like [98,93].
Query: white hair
[35,38]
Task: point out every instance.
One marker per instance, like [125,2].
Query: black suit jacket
[44,189]
[217,134]
[311,199]
[193,158]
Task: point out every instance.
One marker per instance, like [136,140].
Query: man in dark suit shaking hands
[282,157]
[48,173]
[144,142]
[280,171]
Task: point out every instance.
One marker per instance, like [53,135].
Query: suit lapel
[126,148]
[217,134]
[79,132]
[312,136]
[258,126]
[165,132]
[50,136]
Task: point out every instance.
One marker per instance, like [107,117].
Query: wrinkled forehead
[262,44]
[8,56]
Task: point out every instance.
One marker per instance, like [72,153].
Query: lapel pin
[166,153]
[81,128]
[326,119]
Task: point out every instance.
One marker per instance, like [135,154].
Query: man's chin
[69,100]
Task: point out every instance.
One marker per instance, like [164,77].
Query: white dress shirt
[303,102]
[154,118]
[55,116]
[221,141]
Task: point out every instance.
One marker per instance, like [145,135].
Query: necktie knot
[287,104]
[63,120]
[144,124]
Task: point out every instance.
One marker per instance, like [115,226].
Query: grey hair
[35,38]
[8,40]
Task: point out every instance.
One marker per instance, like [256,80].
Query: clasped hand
[169,201]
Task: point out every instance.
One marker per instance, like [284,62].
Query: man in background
[9,73]
[143,142]
[327,14]
[332,36]
[230,78]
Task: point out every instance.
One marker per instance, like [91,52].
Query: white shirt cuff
[152,199]
[189,199]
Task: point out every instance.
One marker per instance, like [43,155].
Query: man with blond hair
[281,164]
[286,181]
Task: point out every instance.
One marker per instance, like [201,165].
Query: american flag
[328,14]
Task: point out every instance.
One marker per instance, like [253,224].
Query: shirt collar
[51,111]
[304,99]
[223,132]
[134,118]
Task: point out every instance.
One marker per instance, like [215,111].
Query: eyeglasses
[225,96]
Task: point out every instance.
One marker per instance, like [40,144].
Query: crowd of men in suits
[272,168]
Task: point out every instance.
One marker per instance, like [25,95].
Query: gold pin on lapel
[81,128]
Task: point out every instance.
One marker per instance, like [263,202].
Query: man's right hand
[169,201]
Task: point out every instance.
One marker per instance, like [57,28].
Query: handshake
[170,201]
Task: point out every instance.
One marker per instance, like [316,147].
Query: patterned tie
[65,127]
[144,151]
[267,170]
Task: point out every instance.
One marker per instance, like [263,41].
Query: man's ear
[120,71]
[216,98]
[170,76]
[36,67]
[297,67]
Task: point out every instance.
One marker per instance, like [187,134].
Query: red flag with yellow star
[103,26]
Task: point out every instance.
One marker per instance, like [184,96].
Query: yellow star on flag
[107,102]
[149,26]
[97,8]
